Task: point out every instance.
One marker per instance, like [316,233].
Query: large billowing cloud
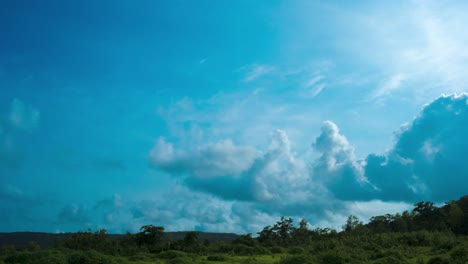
[235,172]
[337,166]
[427,161]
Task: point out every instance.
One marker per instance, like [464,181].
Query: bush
[179,260]
[171,254]
[460,253]
[139,257]
[439,260]
[295,250]
[390,260]
[216,258]
[243,250]
[49,257]
[297,259]
[19,257]
[334,257]
[89,257]
[277,250]
[262,250]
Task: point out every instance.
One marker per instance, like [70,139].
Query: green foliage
[460,253]
[247,240]
[439,260]
[171,254]
[149,236]
[279,234]
[140,257]
[33,246]
[216,258]
[179,260]
[390,260]
[89,241]
[38,257]
[352,224]
[243,250]
[259,250]
[89,257]
[297,259]
[58,257]
[334,257]
[296,250]
[276,250]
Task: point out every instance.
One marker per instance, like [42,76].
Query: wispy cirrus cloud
[254,72]
[388,86]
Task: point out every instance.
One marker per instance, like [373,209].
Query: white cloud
[257,71]
[235,172]
[388,86]
[313,86]
[214,159]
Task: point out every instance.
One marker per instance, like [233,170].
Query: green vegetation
[426,235]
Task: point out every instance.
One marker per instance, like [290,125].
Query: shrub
[334,257]
[439,260]
[390,260]
[243,250]
[171,254]
[295,250]
[459,253]
[89,257]
[261,250]
[20,257]
[216,258]
[139,257]
[297,259]
[49,257]
[277,250]
[179,260]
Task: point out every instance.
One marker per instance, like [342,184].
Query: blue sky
[225,115]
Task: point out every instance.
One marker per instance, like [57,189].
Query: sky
[222,116]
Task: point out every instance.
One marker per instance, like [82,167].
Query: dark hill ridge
[47,240]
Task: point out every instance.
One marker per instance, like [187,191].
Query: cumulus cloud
[337,165]
[426,162]
[428,159]
[235,172]
[217,159]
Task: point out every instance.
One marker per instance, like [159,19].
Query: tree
[301,234]
[352,223]
[278,234]
[246,239]
[191,241]
[284,228]
[428,216]
[267,237]
[149,235]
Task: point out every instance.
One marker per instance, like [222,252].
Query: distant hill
[47,240]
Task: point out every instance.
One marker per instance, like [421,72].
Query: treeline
[425,235]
